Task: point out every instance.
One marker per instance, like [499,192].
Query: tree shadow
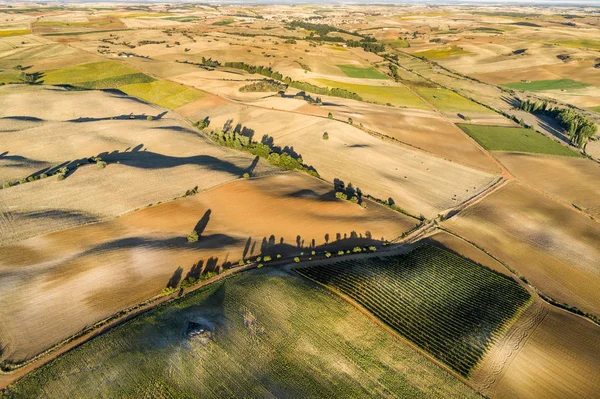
[175,278]
[203,222]
[131,116]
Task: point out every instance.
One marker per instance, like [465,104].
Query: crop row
[445,304]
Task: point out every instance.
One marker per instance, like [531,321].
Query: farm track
[494,365]
[489,372]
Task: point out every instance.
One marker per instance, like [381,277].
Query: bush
[61,176]
[372,248]
[193,236]
[278,256]
[6,184]
[246,176]
[241,262]
[327,254]
[330,115]
[356,250]
[340,253]
[313,252]
[150,118]
[167,291]
[325,136]
[43,176]
[296,259]
[101,164]
[259,266]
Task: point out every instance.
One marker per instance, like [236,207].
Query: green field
[164,93]
[274,334]
[441,52]
[14,32]
[398,43]
[395,95]
[595,109]
[447,100]
[358,72]
[87,74]
[538,85]
[445,304]
[517,139]
[583,43]
[9,77]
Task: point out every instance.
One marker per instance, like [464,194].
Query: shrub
[330,115]
[101,164]
[259,266]
[258,258]
[60,176]
[340,253]
[6,184]
[241,262]
[278,256]
[246,175]
[325,136]
[296,259]
[167,291]
[313,252]
[150,118]
[193,236]
[350,121]
[356,249]
[327,254]
[372,248]
[43,176]
[267,258]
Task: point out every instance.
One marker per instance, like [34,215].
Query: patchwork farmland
[347,201]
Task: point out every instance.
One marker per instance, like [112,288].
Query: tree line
[304,86]
[579,127]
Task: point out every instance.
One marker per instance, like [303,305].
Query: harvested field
[56,284]
[148,160]
[260,341]
[553,247]
[560,360]
[444,304]
[515,139]
[416,181]
[573,180]
[88,74]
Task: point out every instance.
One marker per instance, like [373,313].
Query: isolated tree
[325,136]
[193,236]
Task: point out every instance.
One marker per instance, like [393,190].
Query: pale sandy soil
[573,180]
[416,181]
[55,284]
[554,247]
[560,359]
[148,161]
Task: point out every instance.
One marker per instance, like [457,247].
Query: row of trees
[579,128]
[304,86]
[285,158]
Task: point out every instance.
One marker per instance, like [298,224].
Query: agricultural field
[553,247]
[539,85]
[260,340]
[441,52]
[515,139]
[394,95]
[153,151]
[444,304]
[132,257]
[358,72]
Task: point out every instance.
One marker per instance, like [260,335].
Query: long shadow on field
[127,117]
[212,241]
[55,214]
[18,161]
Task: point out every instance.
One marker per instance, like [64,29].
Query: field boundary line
[388,329]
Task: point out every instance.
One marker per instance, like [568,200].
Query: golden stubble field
[416,181]
[56,284]
[553,247]
[148,161]
[572,180]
